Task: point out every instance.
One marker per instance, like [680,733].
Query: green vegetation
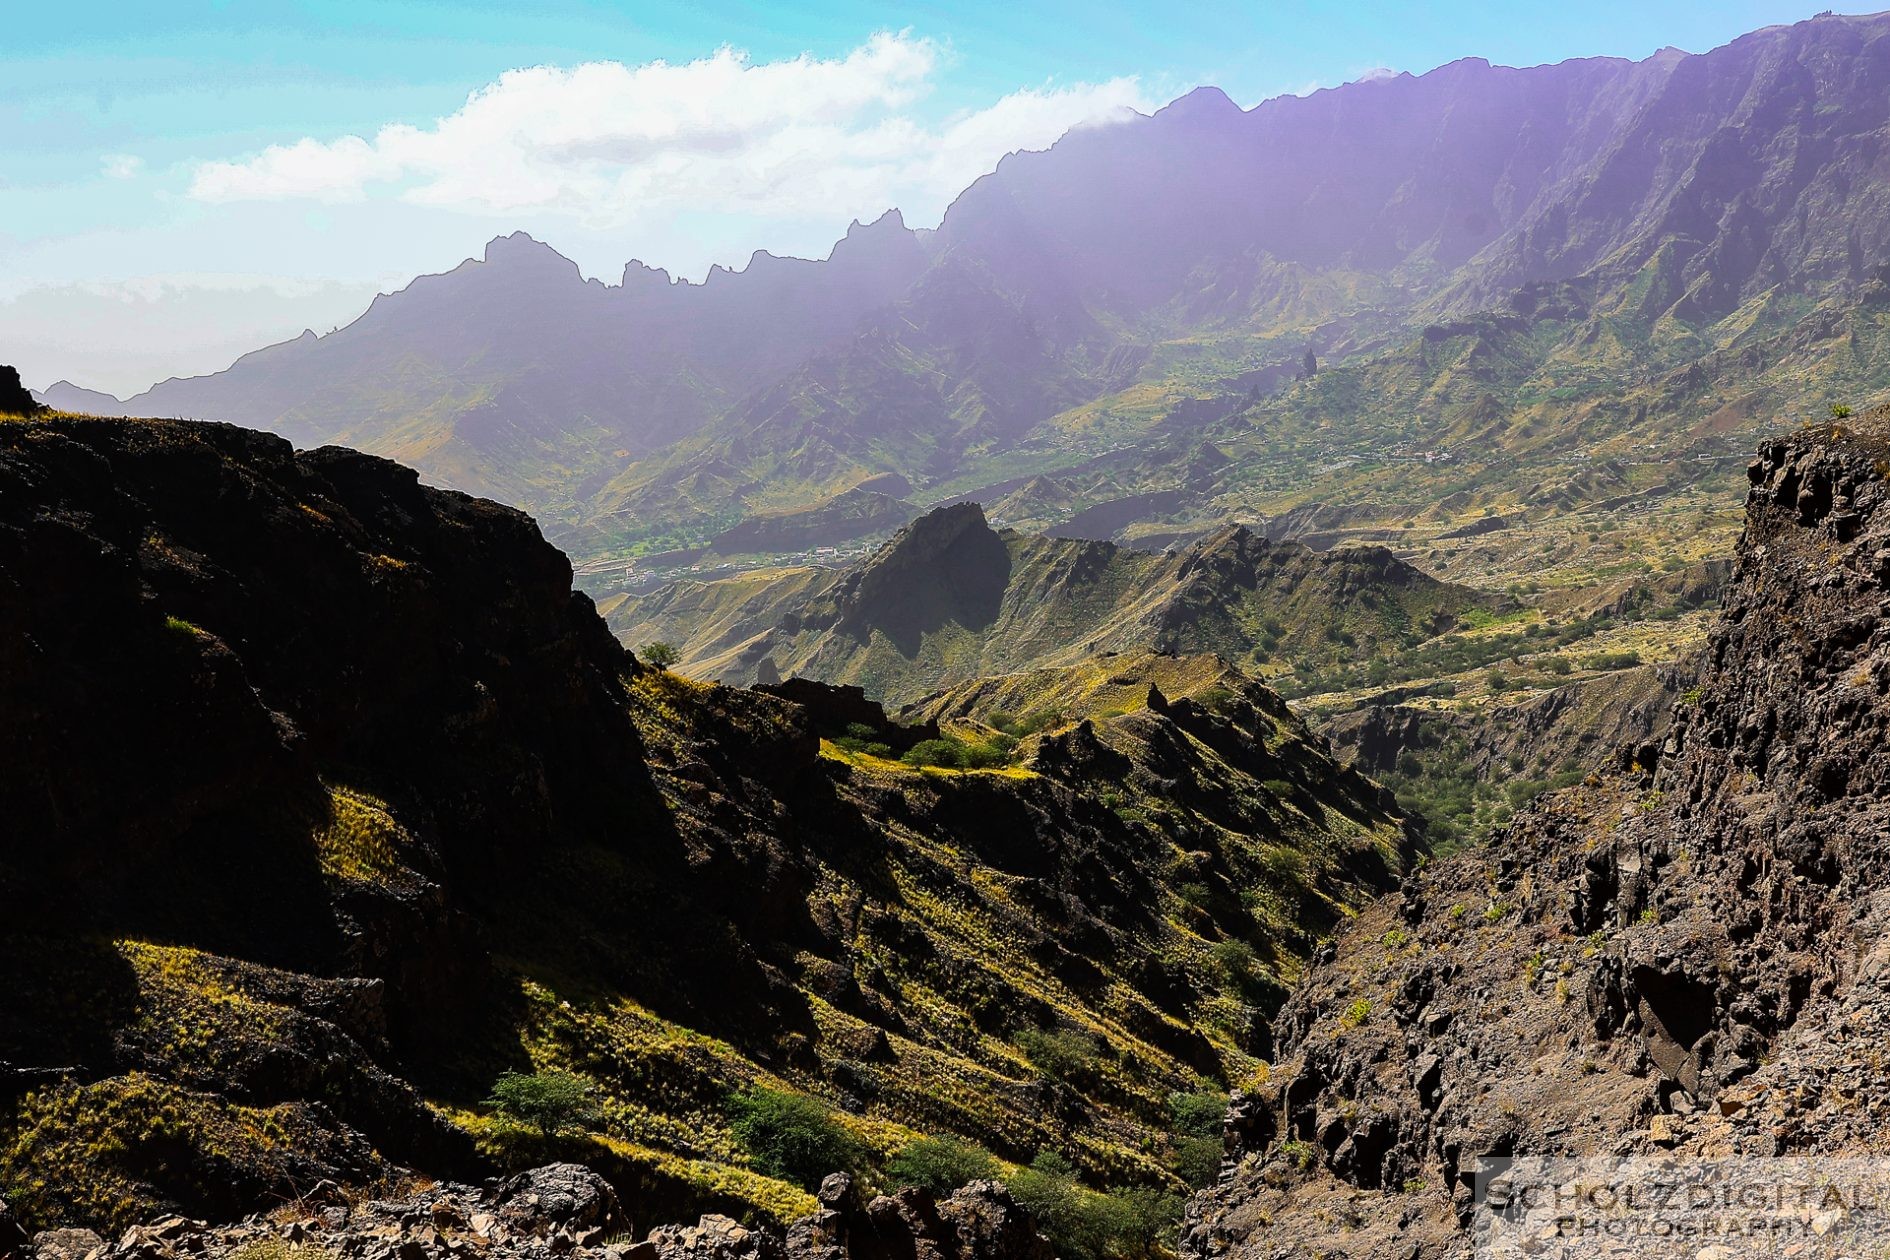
[659,654]
[940,1165]
[1060,1054]
[792,1136]
[1084,1225]
[550,1102]
[956,753]
[1197,1116]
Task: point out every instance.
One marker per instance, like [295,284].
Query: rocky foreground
[565,1211]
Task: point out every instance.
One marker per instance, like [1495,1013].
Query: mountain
[330,801]
[1680,957]
[514,375]
[1544,267]
[950,599]
[65,396]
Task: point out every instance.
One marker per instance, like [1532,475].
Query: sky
[182,181]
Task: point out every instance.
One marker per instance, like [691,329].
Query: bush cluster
[953,753]
[794,1137]
[1084,1224]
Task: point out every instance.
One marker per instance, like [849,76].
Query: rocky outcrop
[1578,724]
[836,709]
[15,399]
[1683,954]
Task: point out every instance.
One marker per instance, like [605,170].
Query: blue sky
[181,181]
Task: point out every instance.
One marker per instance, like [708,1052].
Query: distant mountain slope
[1536,262]
[950,599]
[65,396]
[513,375]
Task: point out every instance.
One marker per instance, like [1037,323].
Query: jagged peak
[639,275]
[521,249]
[889,222]
[937,530]
[1206,101]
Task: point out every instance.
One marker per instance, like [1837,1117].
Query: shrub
[792,1136]
[945,753]
[1058,1053]
[1219,699]
[1198,1161]
[1084,1225]
[1198,1113]
[550,1102]
[940,1165]
[1235,959]
[659,654]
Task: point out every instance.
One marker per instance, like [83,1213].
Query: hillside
[330,801]
[950,599]
[1681,956]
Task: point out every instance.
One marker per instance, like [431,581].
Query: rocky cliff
[329,801]
[1684,953]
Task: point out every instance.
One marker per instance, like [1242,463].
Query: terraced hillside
[330,801]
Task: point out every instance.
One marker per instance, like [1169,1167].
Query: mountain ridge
[1073,295]
[948,598]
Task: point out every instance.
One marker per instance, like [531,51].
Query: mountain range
[1527,270]
[1248,671]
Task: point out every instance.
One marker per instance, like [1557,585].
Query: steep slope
[1683,954]
[950,599]
[329,800]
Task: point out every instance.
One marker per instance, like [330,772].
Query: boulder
[558,1196]
[991,1225]
[66,1244]
[714,1238]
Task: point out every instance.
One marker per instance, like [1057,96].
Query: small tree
[550,1102]
[1840,411]
[660,654]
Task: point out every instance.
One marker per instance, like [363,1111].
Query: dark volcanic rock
[326,793]
[15,399]
[1686,953]
[562,1196]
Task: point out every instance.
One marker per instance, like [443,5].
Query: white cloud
[607,143]
[121,166]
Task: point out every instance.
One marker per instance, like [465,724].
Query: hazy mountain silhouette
[1676,188]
